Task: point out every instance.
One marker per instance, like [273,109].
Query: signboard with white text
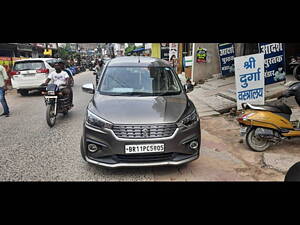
[188,61]
[226,54]
[274,62]
[249,79]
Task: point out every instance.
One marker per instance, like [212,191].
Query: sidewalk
[217,95]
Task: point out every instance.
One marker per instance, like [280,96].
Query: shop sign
[49,52]
[188,61]
[201,55]
[173,54]
[274,62]
[41,45]
[226,54]
[24,47]
[164,51]
[249,79]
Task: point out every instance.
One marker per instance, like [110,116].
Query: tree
[65,53]
[130,48]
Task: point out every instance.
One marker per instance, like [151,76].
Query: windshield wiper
[136,94]
[168,93]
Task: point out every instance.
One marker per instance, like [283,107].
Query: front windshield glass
[146,81]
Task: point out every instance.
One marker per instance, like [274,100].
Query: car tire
[296,72]
[24,92]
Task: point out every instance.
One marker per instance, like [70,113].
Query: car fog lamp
[92,147]
[194,145]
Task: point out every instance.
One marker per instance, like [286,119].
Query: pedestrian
[3,88]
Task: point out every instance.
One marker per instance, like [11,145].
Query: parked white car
[29,74]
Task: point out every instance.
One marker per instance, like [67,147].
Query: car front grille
[144,131]
[140,158]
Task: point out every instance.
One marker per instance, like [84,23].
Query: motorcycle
[56,103]
[73,70]
[294,67]
[269,124]
[82,68]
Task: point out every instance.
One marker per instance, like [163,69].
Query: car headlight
[188,120]
[96,121]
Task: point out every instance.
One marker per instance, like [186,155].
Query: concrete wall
[239,49]
[202,71]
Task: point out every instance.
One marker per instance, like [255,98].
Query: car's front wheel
[24,92]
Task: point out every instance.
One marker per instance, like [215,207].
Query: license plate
[144,148]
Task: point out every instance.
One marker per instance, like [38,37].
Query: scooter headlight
[51,93]
[188,120]
[96,121]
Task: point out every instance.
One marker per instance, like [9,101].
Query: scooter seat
[276,108]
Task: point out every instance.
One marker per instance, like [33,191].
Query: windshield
[146,81]
[29,65]
[51,62]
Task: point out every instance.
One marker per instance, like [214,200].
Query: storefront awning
[138,50]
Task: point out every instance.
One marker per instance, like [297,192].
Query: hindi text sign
[274,62]
[249,79]
[227,54]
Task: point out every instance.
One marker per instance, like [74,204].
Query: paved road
[31,151]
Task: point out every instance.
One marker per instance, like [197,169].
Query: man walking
[3,77]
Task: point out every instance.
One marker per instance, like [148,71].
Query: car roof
[138,61]
[34,59]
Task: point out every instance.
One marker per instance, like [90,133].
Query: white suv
[29,74]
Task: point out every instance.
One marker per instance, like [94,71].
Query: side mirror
[89,88]
[95,73]
[188,87]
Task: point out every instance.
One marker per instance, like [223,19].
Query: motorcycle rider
[66,69]
[62,80]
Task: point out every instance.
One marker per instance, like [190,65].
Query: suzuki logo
[145,132]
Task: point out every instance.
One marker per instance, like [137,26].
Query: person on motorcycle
[69,72]
[62,80]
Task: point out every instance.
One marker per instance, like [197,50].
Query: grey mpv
[140,115]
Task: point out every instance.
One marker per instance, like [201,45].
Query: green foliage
[130,48]
[65,52]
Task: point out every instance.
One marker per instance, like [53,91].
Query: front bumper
[112,153]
